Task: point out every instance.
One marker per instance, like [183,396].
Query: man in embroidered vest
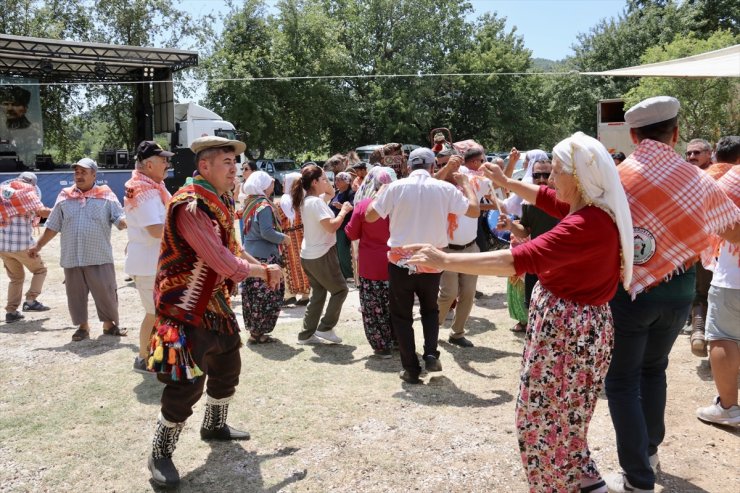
[196,343]
[20,208]
[84,214]
[145,203]
[676,209]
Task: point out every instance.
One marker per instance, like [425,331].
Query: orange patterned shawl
[676,208]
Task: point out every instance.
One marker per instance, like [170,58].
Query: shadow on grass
[149,390]
[275,351]
[25,326]
[334,354]
[477,325]
[230,468]
[464,357]
[441,391]
[704,371]
[390,365]
[674,483]
[93,347]
[493,301]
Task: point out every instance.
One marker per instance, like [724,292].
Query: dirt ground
[74,417]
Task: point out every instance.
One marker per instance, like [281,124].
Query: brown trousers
[14,263]
[218,356]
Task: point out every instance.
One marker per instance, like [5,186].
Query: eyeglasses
[691,153]
[540,176]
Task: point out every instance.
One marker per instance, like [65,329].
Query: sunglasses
[539,176]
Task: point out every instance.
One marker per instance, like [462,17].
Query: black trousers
[403,287]
[218,356]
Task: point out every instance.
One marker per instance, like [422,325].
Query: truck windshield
[226,134]
[285,165]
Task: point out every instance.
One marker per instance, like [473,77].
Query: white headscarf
[591,164]
[286,202]
[513,202]
[257,183]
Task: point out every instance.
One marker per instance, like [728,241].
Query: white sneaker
[329,336]
[654,462]
[311,340]
[618,483]
[450,315]
[719,415]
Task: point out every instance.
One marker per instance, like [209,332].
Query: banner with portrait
[21,129]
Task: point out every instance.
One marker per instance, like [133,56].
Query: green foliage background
[373,39]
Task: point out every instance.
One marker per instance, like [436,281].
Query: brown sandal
[519,328]
[263,339]
[115,330]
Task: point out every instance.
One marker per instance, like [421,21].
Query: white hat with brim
[652,110]
[211,142]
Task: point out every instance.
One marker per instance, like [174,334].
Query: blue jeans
[644,332]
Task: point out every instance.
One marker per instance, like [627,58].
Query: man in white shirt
[145,204]
[462,231]
[418,207]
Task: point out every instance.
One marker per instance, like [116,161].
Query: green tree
[709,107]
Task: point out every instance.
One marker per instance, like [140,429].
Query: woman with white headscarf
[292,225]
[262,240]
[373,263]
[570,333]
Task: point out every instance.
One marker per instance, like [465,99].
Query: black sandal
[593,487]
[115,330]
[263,339]
[80,334]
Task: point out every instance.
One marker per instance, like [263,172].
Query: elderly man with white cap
[676,208]
[196,343]
[83,214]
[418,207]
[20,205]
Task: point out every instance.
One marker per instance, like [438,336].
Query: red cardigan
[373,252]
[578,260]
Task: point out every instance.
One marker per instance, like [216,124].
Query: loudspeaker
[44,162]
[9,164]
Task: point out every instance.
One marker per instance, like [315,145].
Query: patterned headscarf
[598,181]
[376,178]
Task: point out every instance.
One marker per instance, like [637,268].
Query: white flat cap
[652,110]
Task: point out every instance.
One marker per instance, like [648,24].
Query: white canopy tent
[718,63]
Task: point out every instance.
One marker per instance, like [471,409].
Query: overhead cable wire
[188,80]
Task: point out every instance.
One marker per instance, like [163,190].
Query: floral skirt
[566,356]
[376,313]
[260,304]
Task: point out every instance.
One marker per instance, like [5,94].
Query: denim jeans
[645,330]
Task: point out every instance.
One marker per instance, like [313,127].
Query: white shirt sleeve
[150,212]
[383,203]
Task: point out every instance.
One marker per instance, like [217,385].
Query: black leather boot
[214,422]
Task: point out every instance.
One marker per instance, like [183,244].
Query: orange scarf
[717,171]
[141,188]
[730,184]
[17,198]
[676,208]
[399,256]
[96,192]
